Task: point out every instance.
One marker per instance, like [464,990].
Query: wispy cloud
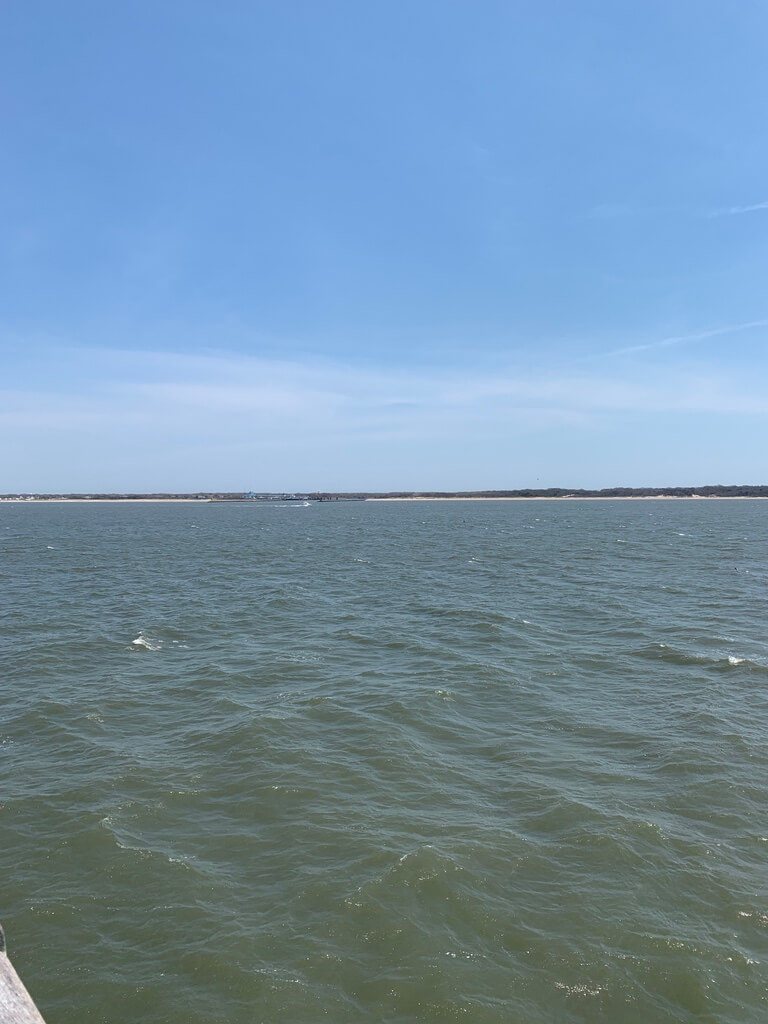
[217,394]
[682,339]
[154,420]
[733,211]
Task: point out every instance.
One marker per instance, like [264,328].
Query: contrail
[681,339]
[731,211]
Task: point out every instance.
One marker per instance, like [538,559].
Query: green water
[480,762]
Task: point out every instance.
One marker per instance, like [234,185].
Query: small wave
[756,666]
[755,916]
[299,658]
[146,643]
[580,989]
[422,865]
[131,843]
[663,652]
[415,870]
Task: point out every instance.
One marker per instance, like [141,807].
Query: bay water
[386,762]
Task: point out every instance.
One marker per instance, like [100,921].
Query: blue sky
[309,244]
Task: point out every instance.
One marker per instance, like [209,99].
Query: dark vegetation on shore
[708,491]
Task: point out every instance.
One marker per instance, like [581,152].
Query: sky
[289,245]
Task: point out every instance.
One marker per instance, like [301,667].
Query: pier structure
[16,1005]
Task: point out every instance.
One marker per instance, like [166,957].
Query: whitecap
[146,643]
[580,989]
[735,661]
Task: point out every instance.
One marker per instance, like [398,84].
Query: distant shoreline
[597,497]
[103,501]
[42,500]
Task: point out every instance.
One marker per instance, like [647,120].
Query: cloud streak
[168,421]
[682,339]
[735,211]
[224,390]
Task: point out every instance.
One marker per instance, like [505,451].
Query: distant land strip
[707,491]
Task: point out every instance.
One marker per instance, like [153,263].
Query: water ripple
[392,763]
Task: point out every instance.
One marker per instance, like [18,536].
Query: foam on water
[146,643]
